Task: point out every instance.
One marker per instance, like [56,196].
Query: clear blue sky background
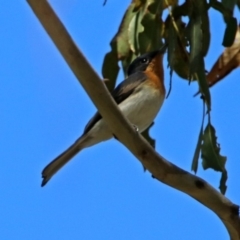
[103,193]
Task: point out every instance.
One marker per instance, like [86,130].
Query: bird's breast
[142,106]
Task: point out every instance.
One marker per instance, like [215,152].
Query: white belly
[140,108]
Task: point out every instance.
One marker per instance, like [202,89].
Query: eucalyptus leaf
[120,49]
[196,39]
[230,32]
[223,186]
[135,27]
[229,4]
[178,57]
[199,144]
[211,150]
[149,38]
[211,157]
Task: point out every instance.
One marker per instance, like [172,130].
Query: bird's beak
[163,49]
[160,51]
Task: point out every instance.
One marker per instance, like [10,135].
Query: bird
[139,97]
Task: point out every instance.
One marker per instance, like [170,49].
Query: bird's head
[142,62]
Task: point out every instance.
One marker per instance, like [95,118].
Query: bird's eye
[144,60]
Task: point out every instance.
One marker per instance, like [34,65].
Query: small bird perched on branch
[139,97]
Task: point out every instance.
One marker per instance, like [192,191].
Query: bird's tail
[61,160]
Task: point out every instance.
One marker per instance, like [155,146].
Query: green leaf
[135,27]
[199,26]
[205,30]
[226,9]
[229,4]
[156,6]
[150,37]
[211,150]
[230,32]
[211,157]
[172,42]
[202,82]
[198,146]
[110,69]
[145,28]
[223,186]
[219,7]
[197,151]
[170,82]
[238,4]
[121,39]
[178,57]
[120,49]
[196,38]
[126,62]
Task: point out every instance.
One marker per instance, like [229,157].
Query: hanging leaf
[198,146]
[110,69]
[170,83]
[178,56]
[226,9]
[211,157]
[230,32]
[229,4]
[211,150]
[197,151]
[205,30]
[120,49]
[134,28]
[121,39]
[126,62]
[145,28]
[238,4]
[223,180]
[150,37]
[156,6]
[197,11]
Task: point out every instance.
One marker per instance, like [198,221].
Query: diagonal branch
[161,169]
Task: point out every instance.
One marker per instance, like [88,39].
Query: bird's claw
[135,128]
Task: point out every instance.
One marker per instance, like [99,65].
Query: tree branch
[161,169]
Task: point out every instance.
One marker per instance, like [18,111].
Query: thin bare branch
[161,169]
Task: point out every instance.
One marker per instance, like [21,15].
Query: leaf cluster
[144,28]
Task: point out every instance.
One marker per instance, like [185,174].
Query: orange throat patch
[155,73]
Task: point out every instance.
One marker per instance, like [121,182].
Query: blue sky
[103,193]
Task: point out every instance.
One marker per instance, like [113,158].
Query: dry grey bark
[161,169]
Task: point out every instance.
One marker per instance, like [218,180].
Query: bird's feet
[135,128]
